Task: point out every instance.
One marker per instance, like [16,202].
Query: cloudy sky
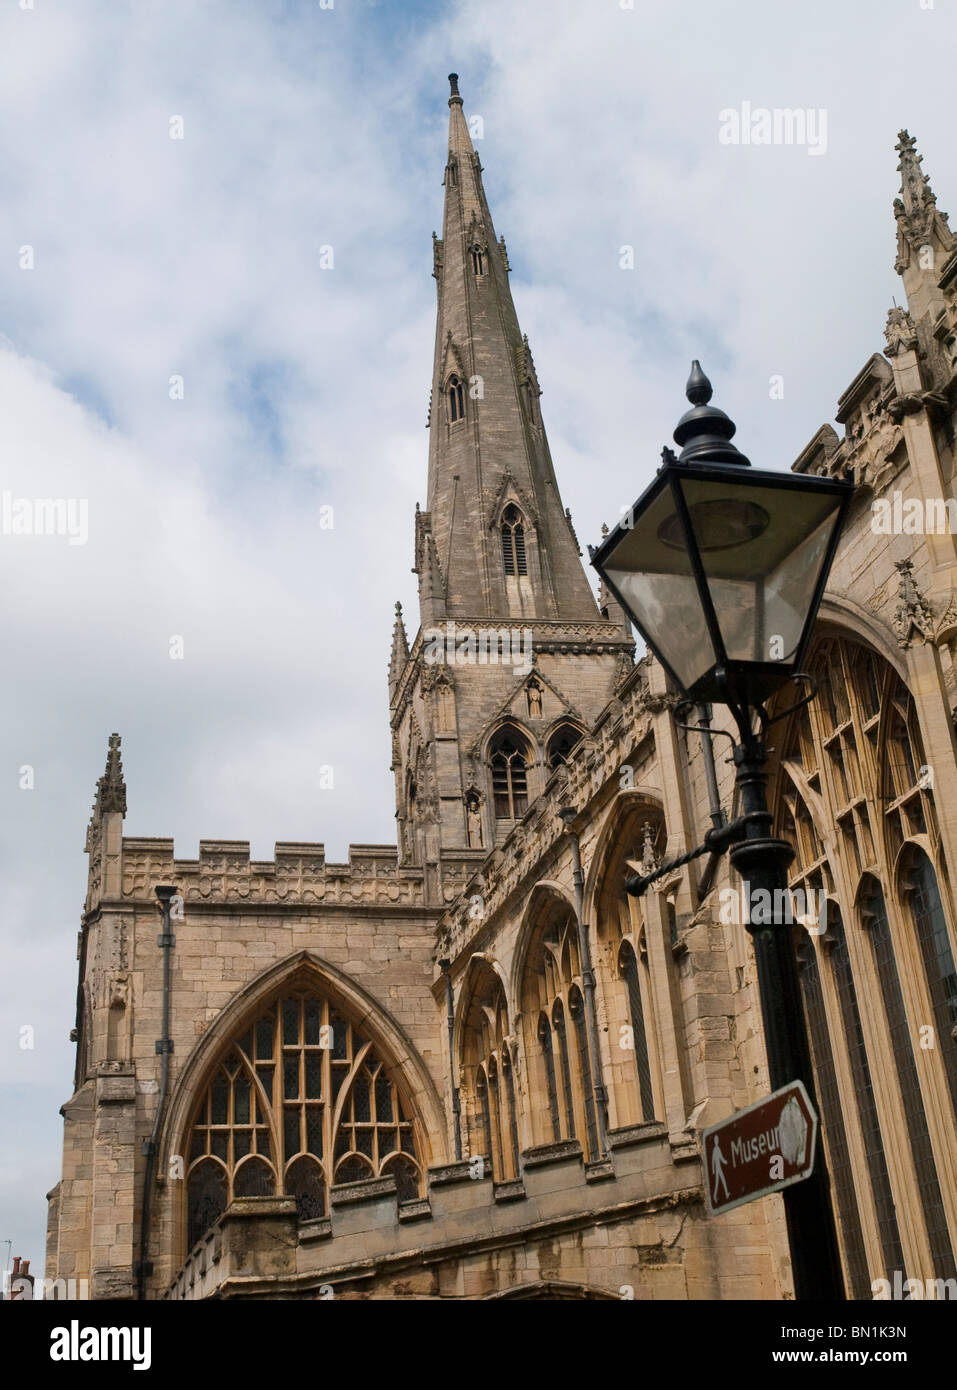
[306,387]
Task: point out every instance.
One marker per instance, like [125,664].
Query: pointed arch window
[834,1130]
[478,260]
[488,1077]
[301,1100]
[864,1089]
[556,1037]
[561,743]
[874,912]
[628,966]
[456,398]
[551,1087]
[852,793]
[509,763]
[927,912]
[513,541]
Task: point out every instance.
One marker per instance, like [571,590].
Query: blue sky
[307,387]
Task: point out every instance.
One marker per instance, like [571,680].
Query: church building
[468,1065]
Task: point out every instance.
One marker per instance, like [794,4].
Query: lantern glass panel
[762,549]
[655,580]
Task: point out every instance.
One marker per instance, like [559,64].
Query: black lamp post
[722,568]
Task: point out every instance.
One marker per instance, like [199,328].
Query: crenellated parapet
[299,874]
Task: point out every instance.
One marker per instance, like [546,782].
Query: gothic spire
[923,237]
[489,462]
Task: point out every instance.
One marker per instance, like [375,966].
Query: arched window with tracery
[560,744]
[301,1100]
[509,758]
[628,967]
[930,926]
[455,391]
[852,795]
[556,1034]
[513,541]
[622,925]
[874,915]
[488,1079]
[478,260]
[834,1130]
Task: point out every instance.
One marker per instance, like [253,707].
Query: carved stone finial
[111,788]
[913,615]
[454,83]
[900,333]
[604,530]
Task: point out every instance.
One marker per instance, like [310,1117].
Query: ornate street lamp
[722,569]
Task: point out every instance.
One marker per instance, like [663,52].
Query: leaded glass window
[302,1101]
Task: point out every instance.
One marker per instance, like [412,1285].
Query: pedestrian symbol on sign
[717,1168]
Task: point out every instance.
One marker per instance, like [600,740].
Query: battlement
[298,873]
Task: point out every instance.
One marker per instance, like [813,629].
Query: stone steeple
[487,448]
[526,658]
[924,240]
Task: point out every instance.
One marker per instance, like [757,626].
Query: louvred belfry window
[300,1102]
[513,541]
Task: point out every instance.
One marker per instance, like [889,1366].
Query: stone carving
[914,614]
[533,692]
[649,860]
[900,332]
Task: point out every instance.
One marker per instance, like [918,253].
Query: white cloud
[307,387]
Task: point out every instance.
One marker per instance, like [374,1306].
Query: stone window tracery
[852,794]
[301,1101]
[508,760]
[488,1077]
[554,1008]
[456,397]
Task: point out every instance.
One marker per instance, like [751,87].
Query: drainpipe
[444,966]
[718,818]
[600,1097]
[164,1047]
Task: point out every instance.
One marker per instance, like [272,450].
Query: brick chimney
[21,1280]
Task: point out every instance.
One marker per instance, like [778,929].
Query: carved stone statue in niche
[445,704]
[120,1018]
[534,693]
[473,816]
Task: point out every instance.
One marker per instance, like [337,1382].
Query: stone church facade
[468,1066]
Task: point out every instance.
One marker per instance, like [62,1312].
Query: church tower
[514,660]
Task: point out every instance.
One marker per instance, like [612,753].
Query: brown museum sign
[762,1149]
